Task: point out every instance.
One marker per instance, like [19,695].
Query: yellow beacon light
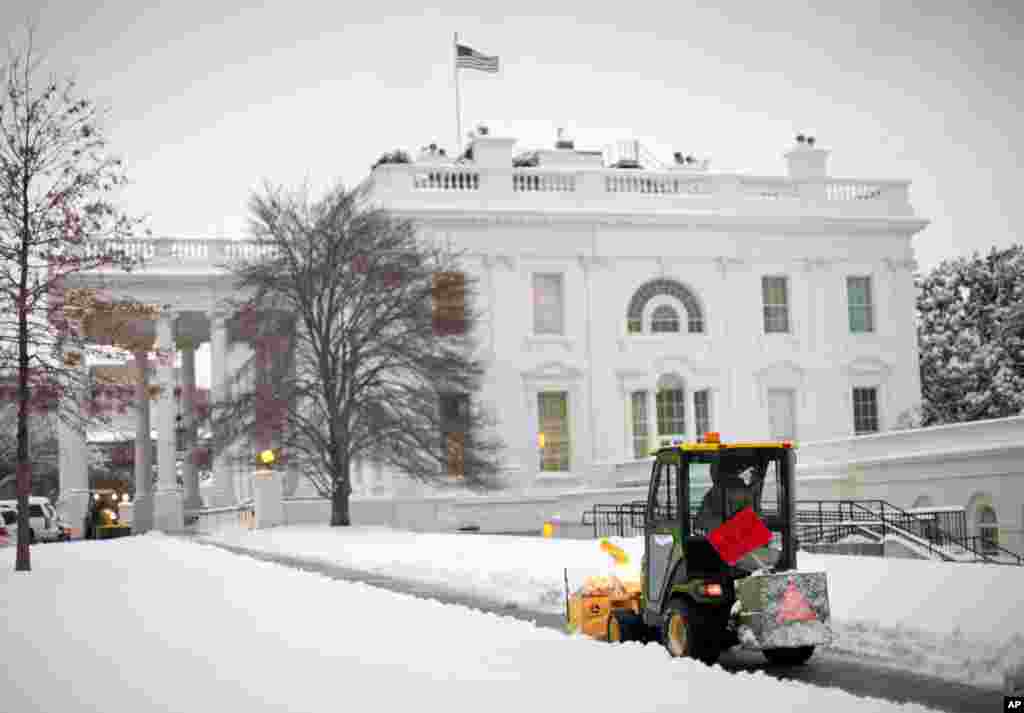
[267,457]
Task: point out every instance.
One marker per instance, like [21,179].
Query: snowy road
[827,669]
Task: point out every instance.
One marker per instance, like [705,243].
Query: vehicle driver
[738,494]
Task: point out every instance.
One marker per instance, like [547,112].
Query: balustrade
[617,188]
[531,182]
[446,179]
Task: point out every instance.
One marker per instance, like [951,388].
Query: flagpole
[458,102]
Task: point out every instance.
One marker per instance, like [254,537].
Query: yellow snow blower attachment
[588,609]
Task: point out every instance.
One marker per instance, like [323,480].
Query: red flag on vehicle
[742,533]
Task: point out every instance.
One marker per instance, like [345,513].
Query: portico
[178,305]
[173,315]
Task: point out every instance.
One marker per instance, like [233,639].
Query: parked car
[8,526]
[44,524]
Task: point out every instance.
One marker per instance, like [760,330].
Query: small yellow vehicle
[708,584]
[103,521]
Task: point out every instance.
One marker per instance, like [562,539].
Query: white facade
[603,245]
[624,242]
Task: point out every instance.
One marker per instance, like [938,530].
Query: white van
[42,518]
[8,526]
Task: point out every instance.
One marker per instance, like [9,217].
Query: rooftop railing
[185,254]
[597,189]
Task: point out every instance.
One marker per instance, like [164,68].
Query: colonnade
[162,505]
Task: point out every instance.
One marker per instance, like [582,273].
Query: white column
[142,507]
[73,452]
[188,405]
[168,511]
[220,391]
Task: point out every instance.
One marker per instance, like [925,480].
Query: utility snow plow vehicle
[719,566]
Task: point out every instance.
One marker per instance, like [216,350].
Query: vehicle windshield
[727,483]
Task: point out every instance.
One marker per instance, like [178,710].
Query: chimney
[806,162]
[564,141]
[490,151]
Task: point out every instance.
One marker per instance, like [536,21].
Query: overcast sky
[207,99]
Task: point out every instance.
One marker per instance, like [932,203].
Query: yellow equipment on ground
[591,605]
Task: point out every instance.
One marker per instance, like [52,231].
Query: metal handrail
[193,518]
[937,540]
[818,524]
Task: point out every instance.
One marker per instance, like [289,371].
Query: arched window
[988,528]
[664,319]
[668,288]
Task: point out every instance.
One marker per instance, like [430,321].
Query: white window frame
[643,446]
[567,393]
[445,433]
[678,319]
[878,408]
[535,305]
[869,307]
[682,405]
[661,301]
[775,308]
[708,416]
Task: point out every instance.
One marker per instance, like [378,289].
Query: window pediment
[553,370]
[867,366]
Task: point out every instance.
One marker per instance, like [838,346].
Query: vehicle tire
[624,626]
[685,634]
[796,656]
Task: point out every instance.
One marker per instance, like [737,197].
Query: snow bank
[963,622]
[158,624]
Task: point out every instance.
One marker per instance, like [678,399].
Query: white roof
[118,436]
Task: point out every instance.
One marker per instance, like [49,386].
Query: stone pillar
[168,511]
[142,507]
[73,451]
[291,471]
[220,391]
[268,500]
[188,411]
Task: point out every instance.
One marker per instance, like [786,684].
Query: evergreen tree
[971,338]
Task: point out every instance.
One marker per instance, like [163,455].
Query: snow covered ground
[961,622]
[156,624]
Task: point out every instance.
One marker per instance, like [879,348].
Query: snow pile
[920,615]
[160,624]
[963,622]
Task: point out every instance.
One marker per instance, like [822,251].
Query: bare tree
[55,221]
[43,441]
[363,349]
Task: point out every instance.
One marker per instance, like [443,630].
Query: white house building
[626,305]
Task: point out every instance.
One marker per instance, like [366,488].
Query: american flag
[468,58]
